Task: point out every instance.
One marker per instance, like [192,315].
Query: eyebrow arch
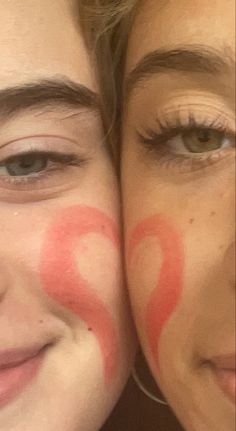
[184,59]
[61,92]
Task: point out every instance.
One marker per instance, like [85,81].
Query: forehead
[171,23]
[40,39]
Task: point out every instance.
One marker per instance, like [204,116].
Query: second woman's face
[178,177]
[65,331]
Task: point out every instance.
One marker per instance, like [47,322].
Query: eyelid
[173,119]
[203,102]
[206,118]
[46,143]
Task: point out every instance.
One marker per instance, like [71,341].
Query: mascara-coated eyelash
[157,142]
[167,129]
[50,162]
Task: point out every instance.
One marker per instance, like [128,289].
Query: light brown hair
[106,25]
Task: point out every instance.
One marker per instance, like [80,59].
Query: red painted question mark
[62,281]
[166,295]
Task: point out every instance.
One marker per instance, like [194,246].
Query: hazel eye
[26,164]
[204,140]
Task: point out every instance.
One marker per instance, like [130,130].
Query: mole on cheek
[167,292]
[62,281]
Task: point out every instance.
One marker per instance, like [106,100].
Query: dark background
[136,412]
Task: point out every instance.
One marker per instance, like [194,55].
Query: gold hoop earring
[145,390]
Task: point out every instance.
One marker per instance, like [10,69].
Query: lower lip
[15,379]
[227,382]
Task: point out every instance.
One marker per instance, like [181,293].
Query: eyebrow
[55,92]
[185,59]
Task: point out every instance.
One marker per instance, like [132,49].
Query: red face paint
[62,281]
[167,293]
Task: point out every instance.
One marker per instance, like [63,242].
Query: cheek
[62,281]
[169,284]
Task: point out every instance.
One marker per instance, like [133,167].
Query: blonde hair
[106,25]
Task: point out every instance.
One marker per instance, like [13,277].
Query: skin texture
[61,283]
[165,194]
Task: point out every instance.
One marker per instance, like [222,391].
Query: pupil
[204,136]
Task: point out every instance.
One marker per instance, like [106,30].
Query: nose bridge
[4,276]
[18,257]
[230,229]
[4,270]
[229,260]
[8,260]
[9,238]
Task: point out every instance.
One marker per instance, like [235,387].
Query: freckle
[89,329]
[191,220]
[221,247]
[213,213]
[40,321]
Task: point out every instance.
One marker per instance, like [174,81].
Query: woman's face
[63,319]
[179,202]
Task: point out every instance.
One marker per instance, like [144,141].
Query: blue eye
[33,164]
[25,164]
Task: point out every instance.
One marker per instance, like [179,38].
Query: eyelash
[156,141]
[60,161]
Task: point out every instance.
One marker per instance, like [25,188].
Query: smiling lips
[17,369]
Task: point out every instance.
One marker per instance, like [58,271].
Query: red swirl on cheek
[62,281]
[167,293]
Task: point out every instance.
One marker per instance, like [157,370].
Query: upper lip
[225,362]
[15,357]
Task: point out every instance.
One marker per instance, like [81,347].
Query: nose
[229,264]
[4,279]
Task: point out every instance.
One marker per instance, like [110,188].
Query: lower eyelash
[185,163]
